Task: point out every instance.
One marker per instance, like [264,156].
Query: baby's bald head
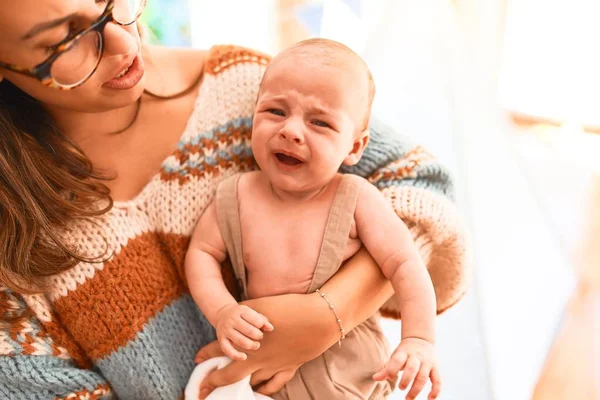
[330,53]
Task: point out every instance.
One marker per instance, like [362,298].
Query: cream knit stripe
[185,202]
[6,345]
[111,233]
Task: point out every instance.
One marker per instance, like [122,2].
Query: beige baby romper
[342,372]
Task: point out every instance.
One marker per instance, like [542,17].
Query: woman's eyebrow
[44,26]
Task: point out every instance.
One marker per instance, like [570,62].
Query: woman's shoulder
[184,64]
[187,63]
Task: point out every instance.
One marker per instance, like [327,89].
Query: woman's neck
[82,127]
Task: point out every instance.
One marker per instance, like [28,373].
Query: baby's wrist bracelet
[339,321]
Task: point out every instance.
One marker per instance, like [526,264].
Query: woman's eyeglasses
[76,58]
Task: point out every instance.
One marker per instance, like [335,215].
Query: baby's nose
[294,135]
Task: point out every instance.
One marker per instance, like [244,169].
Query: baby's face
[307,120]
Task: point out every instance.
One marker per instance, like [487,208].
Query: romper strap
[228,217]
[337,230]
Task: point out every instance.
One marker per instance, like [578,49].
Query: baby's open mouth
[289,160]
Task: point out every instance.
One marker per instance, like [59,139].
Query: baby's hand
[417,359]
[242,326]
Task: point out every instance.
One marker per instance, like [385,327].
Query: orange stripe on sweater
[109,310]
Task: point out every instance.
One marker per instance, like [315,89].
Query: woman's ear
[360,143]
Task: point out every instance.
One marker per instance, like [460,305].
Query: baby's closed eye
[320,123]
[276,111]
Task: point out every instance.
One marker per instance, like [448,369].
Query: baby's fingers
[392,367]
[257,319]
[381,375]
[436,384]
[230,351]
[249,330]
[242,341]
[413,364]
[396,364]
[419,382]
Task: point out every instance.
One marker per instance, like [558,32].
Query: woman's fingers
[230,351]
[278,381]
[259,377]
[211,350]
[231,373]
[420,381]
[413,364]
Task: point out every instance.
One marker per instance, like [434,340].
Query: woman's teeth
[122,74]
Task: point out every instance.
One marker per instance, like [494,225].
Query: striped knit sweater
[127,327]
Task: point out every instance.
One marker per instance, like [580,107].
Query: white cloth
[240,390]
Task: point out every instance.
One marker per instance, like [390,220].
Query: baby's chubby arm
[235,324]
[391,245]
[203,261]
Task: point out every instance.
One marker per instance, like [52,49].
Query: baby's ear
[360,143]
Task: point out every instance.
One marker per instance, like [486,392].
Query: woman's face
[29,28]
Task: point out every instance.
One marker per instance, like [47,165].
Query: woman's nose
[119,40]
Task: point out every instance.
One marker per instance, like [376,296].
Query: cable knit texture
[127,327]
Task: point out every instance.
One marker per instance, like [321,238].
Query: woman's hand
[304,329]
[304,326]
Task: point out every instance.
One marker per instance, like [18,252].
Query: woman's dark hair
[46,181]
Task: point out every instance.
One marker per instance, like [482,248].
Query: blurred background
[506,94]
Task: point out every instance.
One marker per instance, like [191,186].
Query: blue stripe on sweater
[158,362]
[43,377]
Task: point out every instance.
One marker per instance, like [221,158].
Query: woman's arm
[304,326]
[357,290]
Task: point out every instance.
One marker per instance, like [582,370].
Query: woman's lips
[134,74]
